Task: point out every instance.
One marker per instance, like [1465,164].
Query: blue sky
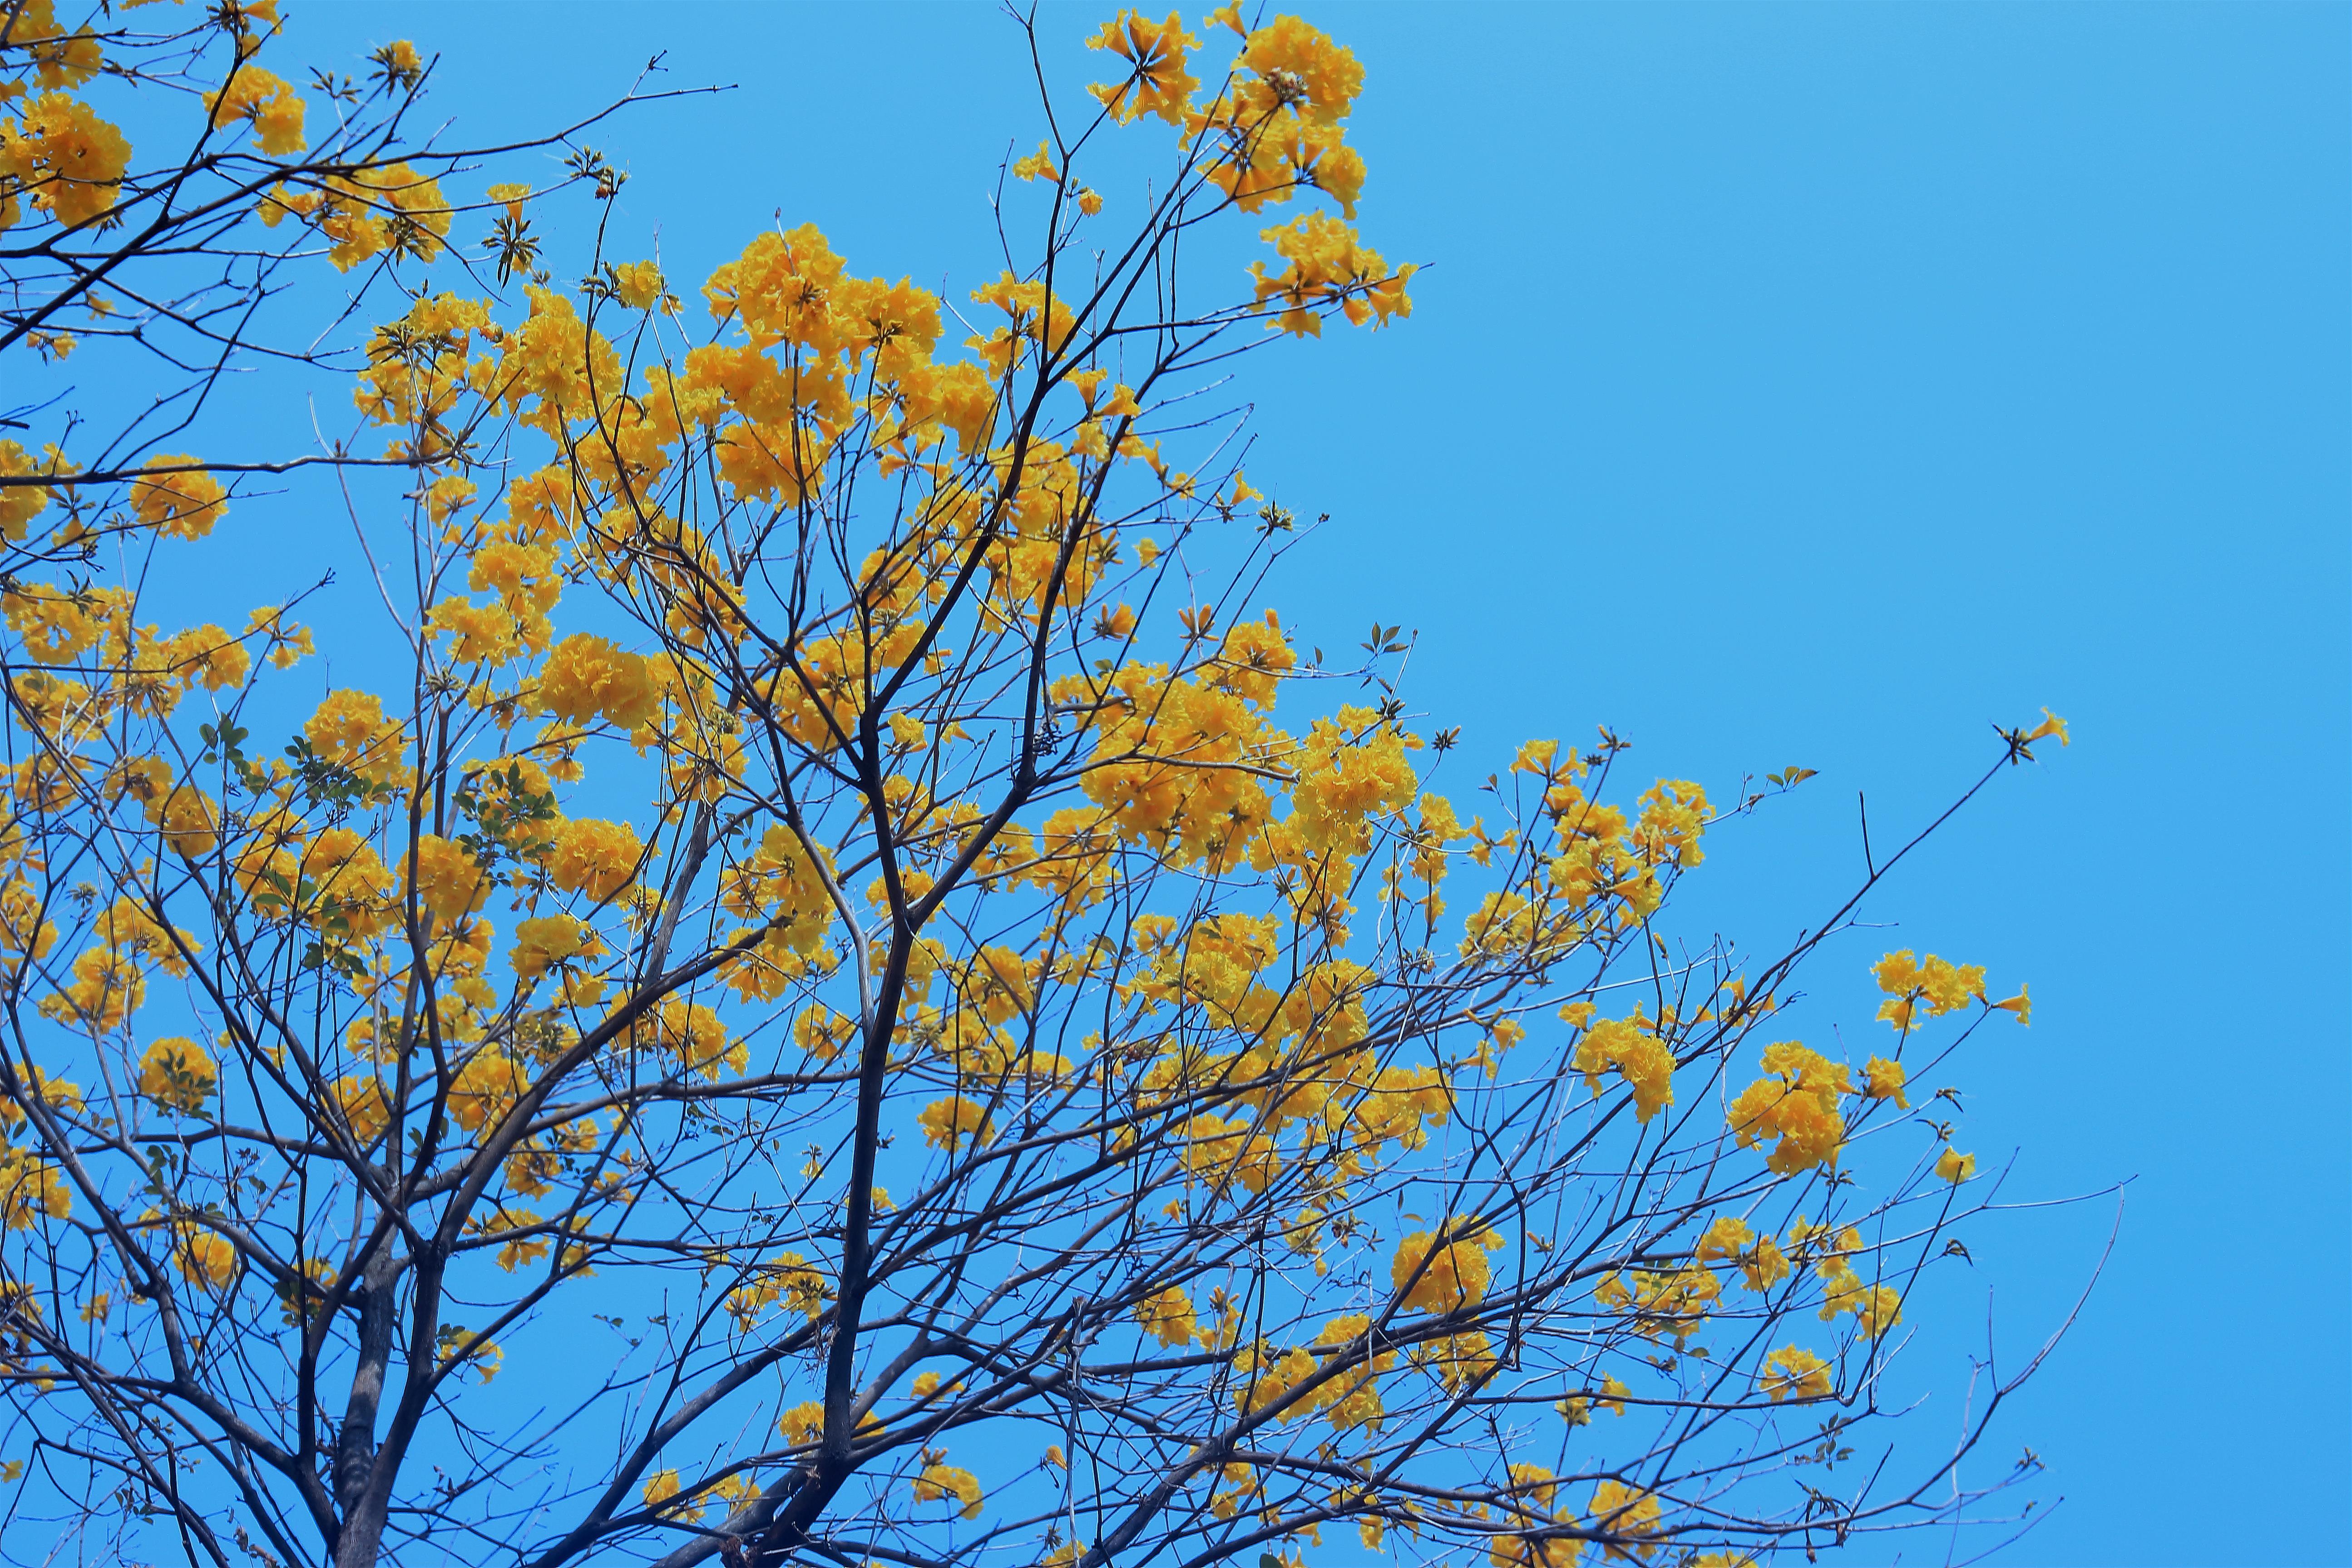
[1809,384]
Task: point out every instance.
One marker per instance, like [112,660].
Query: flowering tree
[848,992]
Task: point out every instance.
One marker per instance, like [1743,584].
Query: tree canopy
[841,986]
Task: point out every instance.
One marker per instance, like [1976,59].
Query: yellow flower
[351,731]
[1944,986]
[1885,1080]
[543,942]
[270,102]
[1798,1104]
[787,1277]
[482,1357]
[1038,165]
[486,1088]
[30,1189]
[1764,1265]
[1168,1317]
[1439,1279]
[594,857]
[1644,1061]
[1328,266]
[1628,1513]
[177,1074]
[361,1104]
[178,505]
[288,643]
[448,882]
[20,504]
[399,64]
[106,989]
[204,1258]
[58,57]
[661,1488]
[1158,84]
[638,283]
[694,1034]
[1325,78]
[1674,816]
[186,821]
[2050,725]
[952,1122]
[1518,1551]
[941,1482]
[1727,1237]
[1793,1373]
[1875,1309]
[1956,1167]
[1533,1491]
[64,157]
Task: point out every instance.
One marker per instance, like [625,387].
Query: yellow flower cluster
[183,504]
[802,1425]
[445,878]
[366,211]
[485,1088]
[1937,984]
[1938,987]
[1327,265]
[544,942]
[595,859]
[1633,1049]
[1157,82]
[268,100]
[1274,128]
[35,40]
[20,504]
[204,1258]
[1729,1239]
[1662,1304]
[1168,1316]
[1793,1373]
[942,1482]
[1629,1513]
[57,155]
[106,987]
[178,1074]
[1876,1307]
[31,1189]
[953,1122]
[787,1277]
[1576,1409]
[349,729]
[1431,1278]
[586,678]
[1796,1102]
[695,1037]
[1626,1519]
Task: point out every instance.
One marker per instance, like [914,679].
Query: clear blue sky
[1815,384]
